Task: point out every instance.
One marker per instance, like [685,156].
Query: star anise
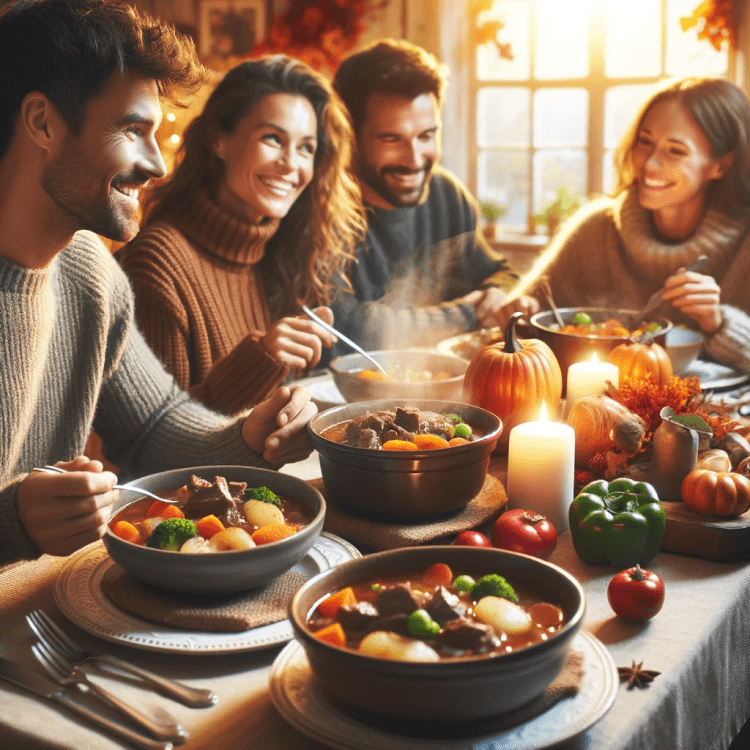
[636,675]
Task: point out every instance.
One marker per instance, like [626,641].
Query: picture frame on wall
[229,28]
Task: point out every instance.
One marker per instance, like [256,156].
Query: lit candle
[590,379]
[541,458]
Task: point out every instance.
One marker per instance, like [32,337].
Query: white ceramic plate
[466,345]
[714,376]
[79,596]
[299,700]
[323,390]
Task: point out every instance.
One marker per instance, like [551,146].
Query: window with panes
[551,117]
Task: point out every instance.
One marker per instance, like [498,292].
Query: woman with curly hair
[258,218]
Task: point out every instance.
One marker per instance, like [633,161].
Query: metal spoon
[331,329]
[58,470]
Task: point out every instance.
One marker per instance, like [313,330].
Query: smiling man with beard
[424,272]
[81,83]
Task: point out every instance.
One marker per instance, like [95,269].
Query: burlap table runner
[382,535]
[565,685]
[221,613]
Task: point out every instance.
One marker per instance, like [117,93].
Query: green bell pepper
[620,523]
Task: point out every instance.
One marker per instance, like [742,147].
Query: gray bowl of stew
[462,684]
[230,570]
[418,484]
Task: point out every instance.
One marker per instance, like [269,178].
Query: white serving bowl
[683,346]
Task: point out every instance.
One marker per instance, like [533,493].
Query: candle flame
[543,413]
[594,358]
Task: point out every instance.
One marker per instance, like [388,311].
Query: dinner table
[699,644]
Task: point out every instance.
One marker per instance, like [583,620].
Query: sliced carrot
[372,375]
[208,526]
[330,605]
[272,532]
[158,509]
[399,445]
[126,531]
[430,442]
[332,634]
[438,574]
[457,441]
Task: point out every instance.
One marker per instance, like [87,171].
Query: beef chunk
[394,432]
[237,490]
[468,634]
[397,623]
[357,618]
[408,419]
[208,498]
[368,439]
[399,599]
[445,606]
[436,424]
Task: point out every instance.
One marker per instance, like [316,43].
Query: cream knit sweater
[608,255]
[71,360]
[201,305]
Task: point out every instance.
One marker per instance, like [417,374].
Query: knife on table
[40,685]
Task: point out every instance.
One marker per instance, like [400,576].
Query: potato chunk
[386,645]
[503,615]
[258,513]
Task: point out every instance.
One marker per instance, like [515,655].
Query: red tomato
[524,531]
[636,594]
[472,539]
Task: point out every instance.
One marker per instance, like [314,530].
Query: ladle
[310,314]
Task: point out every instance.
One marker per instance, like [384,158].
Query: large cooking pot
[574,347]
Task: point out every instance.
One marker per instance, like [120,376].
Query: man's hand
[298,341]
[493,308]
[64,512]
[277,427]
[697,296]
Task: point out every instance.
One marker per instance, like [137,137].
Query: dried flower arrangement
[717,22]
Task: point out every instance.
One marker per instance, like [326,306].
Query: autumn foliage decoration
[487,31]
[716,21]
[320,33]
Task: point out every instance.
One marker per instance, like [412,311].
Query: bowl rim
[335,364]
[665,324]
[306,636]
[317,519]
[404,456]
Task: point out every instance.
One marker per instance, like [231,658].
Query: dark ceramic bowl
[231,571]
[414,484]
[572,347]
[460,690]
[354,388]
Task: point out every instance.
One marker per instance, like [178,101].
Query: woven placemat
[220,613]
[567,684]
[382,535]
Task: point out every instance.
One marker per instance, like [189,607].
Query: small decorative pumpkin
[512,379]
[634,359]
[716,493]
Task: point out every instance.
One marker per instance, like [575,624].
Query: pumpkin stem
[511,342]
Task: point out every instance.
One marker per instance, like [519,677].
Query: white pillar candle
[541,459]
[589,379]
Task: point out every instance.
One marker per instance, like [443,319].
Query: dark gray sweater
[413,266]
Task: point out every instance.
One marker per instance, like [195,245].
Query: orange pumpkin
[634,360]
[716,493]
[512,379]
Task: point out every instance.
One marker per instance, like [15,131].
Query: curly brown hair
[309,254]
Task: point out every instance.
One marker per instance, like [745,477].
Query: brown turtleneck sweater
[201,305]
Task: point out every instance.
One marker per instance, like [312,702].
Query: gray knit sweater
[608,255]
[72,360]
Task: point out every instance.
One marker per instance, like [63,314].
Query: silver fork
[68,674]
[140,490]
[48,630]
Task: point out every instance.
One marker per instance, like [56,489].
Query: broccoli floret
[172,533]
[463,431]
[493,585]
[581,319]
[263,494]
[455,417]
